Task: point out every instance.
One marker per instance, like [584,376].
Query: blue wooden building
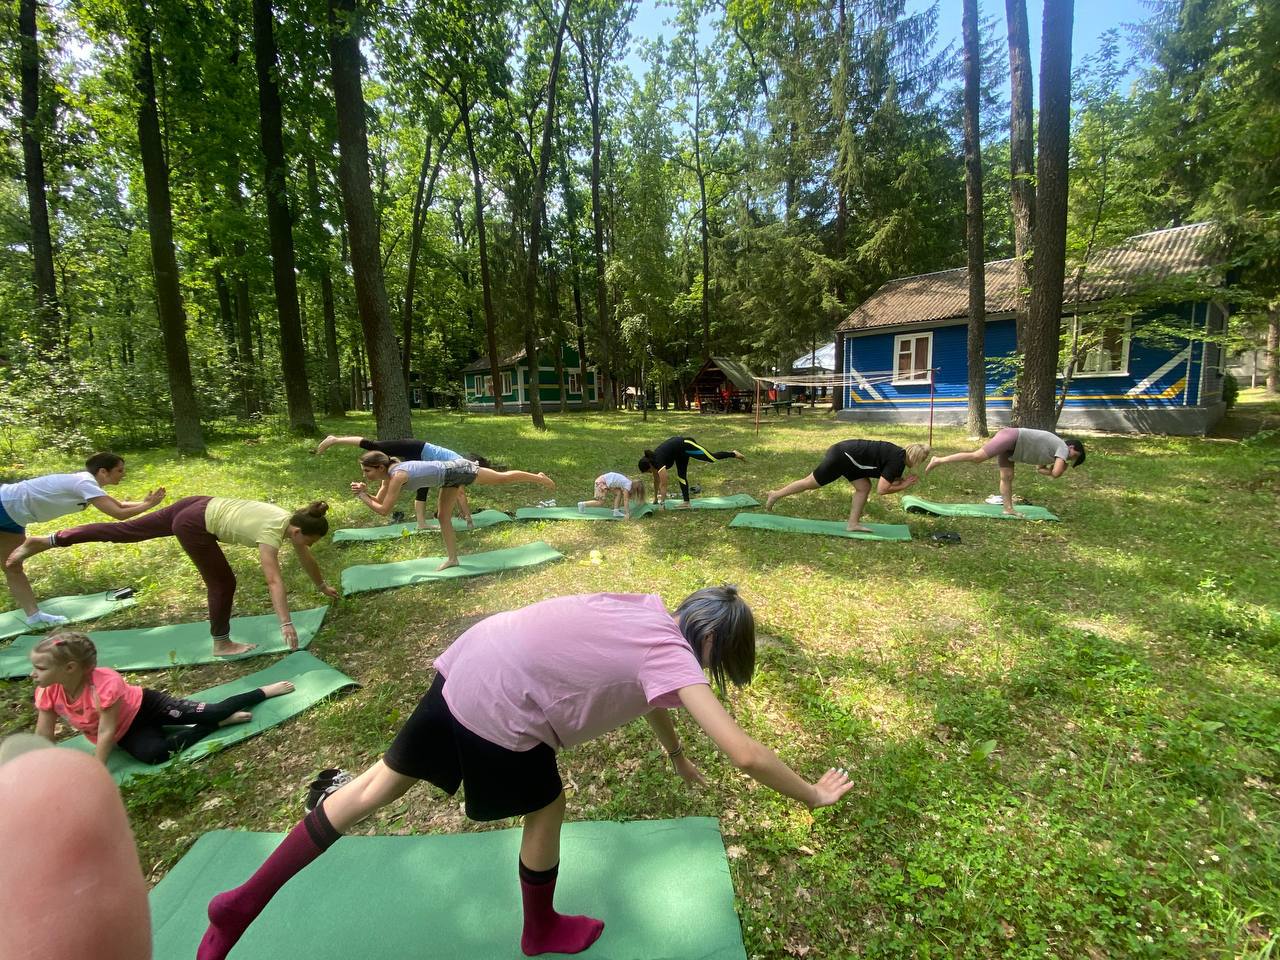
[581,388]
[1160,382]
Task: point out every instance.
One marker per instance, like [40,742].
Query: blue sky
[1092,19]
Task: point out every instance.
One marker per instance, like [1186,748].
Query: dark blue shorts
[8,524]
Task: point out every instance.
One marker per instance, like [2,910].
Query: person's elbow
[748,756]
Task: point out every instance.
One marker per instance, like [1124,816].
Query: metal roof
[1124,268]
[824,358]
[735,372]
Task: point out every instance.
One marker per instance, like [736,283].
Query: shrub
[1230,390]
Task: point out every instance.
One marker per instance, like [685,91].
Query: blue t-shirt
[431,452]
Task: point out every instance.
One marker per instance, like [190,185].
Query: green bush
[1230,390]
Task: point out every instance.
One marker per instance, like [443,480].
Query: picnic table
[790,406]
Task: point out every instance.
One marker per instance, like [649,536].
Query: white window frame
[1079,374]
[506,382]
[916,378]
[575,383]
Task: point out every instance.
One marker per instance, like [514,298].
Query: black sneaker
[398,517]
[325,783]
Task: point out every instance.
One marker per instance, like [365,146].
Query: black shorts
[835,465]
[500,783]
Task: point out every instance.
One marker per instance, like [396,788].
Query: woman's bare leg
[420,512]
[792,488]
[861,490]
[448,496]
[15,576]
[487,476]
[331,440]
[974,456]
[1006,490]
[365,795]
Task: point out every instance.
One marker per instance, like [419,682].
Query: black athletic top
[668,452]
[855,459]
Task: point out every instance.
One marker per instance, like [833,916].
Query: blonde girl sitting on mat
[393,475]
[623,488]
[97,702]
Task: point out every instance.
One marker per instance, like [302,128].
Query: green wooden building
[581,390]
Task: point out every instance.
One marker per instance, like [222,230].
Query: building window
[1101,345]
[913,357]
[506,383]
[575,386]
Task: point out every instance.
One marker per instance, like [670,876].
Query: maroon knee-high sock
[546,931]
[230,913]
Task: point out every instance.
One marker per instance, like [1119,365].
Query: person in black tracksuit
[858,461]
[677,452]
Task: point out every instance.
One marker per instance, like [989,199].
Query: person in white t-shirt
[628,490]
[52,496]
[1049,453]
[508,694]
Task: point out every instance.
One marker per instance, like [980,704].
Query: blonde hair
[69,646]
[637,491]
[916,452]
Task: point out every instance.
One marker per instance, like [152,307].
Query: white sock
[47,619]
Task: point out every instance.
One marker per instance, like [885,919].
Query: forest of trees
[221,211]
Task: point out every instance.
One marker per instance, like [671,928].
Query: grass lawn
[1065,737]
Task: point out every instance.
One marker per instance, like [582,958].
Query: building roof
[482,365]
[824,358]
[734,371]
[1124,268]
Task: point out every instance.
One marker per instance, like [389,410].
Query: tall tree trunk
[293,351]
[535,229]
[1044,319]
[421,205]
[334,402]
[605,365]
[1022,165]
[226,318]
[575,274]
[164,263]
[244,334]
[1273,350]
[48,315]
[486,286]
[973,223]
[390,403]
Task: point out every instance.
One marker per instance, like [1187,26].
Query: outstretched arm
[1058,469]
[308,561]
[756,760]
[124,509]
[269,560]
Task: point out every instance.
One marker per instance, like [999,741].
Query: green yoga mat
[313,678]
[715,503]
[829,528]
[89,606]
[392,531]
[662,888]
[573,513]
[384,576]
[917,505]
[175,644]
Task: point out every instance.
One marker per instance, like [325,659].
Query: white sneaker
[42,619]
[582,506]
[995,498]
[546,503]
[620,513]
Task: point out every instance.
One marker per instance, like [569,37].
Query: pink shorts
[1001,446]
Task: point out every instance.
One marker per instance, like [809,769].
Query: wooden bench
[790,406]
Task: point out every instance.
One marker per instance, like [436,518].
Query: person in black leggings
[677,452]
[405,450]
[111,713]
[860,462]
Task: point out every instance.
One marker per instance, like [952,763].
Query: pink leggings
[1001,445]
[183,519]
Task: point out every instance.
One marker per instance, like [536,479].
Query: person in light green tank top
[200,525]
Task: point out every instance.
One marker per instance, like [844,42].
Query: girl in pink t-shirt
[507,694]
[111,713]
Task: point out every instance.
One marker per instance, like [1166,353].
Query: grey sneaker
[325,783]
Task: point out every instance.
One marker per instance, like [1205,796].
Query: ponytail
[376,458]
[310,520]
